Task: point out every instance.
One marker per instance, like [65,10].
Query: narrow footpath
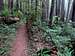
[20,44]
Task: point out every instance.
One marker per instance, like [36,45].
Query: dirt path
[20,44]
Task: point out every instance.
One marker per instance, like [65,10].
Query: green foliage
[7,34]
[43,52]
[17,13]
[60,34]
[55,20]
[66,52]
[5,12]
[5,29]
[3,50]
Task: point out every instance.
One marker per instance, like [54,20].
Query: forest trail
[20,44]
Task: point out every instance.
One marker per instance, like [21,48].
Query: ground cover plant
[7,34]
[60,34]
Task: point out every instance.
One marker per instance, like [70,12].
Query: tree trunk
[45,10]
[58,7]
[17,5]
[62,10]
[10,5]
[1,6]
[70,10]
[73,14]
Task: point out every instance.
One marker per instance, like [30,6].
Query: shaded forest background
[47,8]
[54,19]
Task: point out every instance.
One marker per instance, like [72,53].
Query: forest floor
[27,44]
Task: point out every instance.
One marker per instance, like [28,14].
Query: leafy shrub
[5,12]
[43,52]
[60,34]
[5,29]
[66,52]
[7,34]
[17,13]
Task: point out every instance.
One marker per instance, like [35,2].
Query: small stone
[53,55]
[16,18]
[36,40]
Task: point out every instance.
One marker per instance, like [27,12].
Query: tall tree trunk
[17,5]
[49,11]
[58,7]
[62,10]
[70,10]
[52,7]
[1,6]
[73,14]
[47,16]
[20,6]
[45,10]
[10,5]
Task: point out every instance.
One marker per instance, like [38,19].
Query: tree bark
[10,5]
[45,10]
[17,5]
[1,5]
[62,10]
[73,14]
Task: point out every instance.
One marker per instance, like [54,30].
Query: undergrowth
[7,34]
[43,52]
[60,34]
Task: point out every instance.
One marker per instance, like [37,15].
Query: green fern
[43,52]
